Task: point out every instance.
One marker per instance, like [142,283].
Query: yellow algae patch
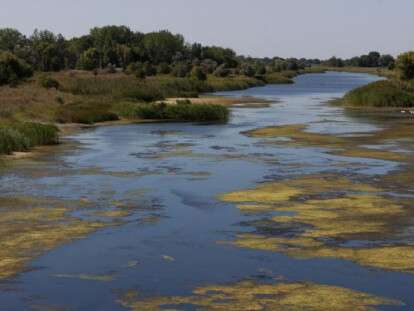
[87,277]
[270,193]
[267,193]
[398,258]
[350,211]
[297,133]
[28,230]
[373,154]
[349,146]
[339,217]
[117,213]
[250,295]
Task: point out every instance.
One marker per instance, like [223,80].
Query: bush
[198,73]
[380,94]
[277,78]
[13,69]
[48,82]
[23,136]
[136,69]
[86,113]
[222,71]
[183,111]
[163,68]
[405,66]
[181,70]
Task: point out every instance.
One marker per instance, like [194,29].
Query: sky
[285,28]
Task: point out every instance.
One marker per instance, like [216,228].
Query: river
[166,211]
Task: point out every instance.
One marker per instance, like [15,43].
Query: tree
[10,39]
[89,60]
[106,41]
[405,65]
[47,51]
[247,70]
[386,61]
[335,62]
[13,69]
[162,46]
[198,73]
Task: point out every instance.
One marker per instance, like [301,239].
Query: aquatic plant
[380,94]
[349,211]
[23,136]
[251,295]
[181,111]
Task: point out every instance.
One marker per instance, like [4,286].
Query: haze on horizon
[286,28]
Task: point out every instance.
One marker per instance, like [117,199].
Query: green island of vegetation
[115,73]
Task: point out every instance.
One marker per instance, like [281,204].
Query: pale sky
[286,28]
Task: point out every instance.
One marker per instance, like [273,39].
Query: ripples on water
[214,215]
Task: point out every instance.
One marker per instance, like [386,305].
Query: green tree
[405,65]
[162,46]
[10,39]
[89,60]
[13,69]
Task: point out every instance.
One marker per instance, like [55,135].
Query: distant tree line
[373,59]
[114,48]
[118,48]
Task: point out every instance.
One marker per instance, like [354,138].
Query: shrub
[89,59]
[13,69]
[277,78]
[181,70]
[86,113]
[183,111]
[405,65]
[163,68]
[23,136]
[380,94]
[221,71]
[48,82]
[198,73]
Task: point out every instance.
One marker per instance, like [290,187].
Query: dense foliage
[405,66]
[373,59]
[12,69]
[380,94]
[183,110]
[22,136]
[114,48]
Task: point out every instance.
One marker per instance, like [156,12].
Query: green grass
[277,78]
[23,136]
[380,94]
[182,111]
[86,112]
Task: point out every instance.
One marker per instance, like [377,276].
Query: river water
[175,233]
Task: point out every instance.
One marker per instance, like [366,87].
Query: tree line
[372,59]
[118,48]
[145,54]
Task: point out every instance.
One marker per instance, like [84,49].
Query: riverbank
[81,98]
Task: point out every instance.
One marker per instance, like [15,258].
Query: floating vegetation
[30,226]
[339,145]
[250,295]
[167,258]
[330,210]
[117,213]
[87,277]
[132,264]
